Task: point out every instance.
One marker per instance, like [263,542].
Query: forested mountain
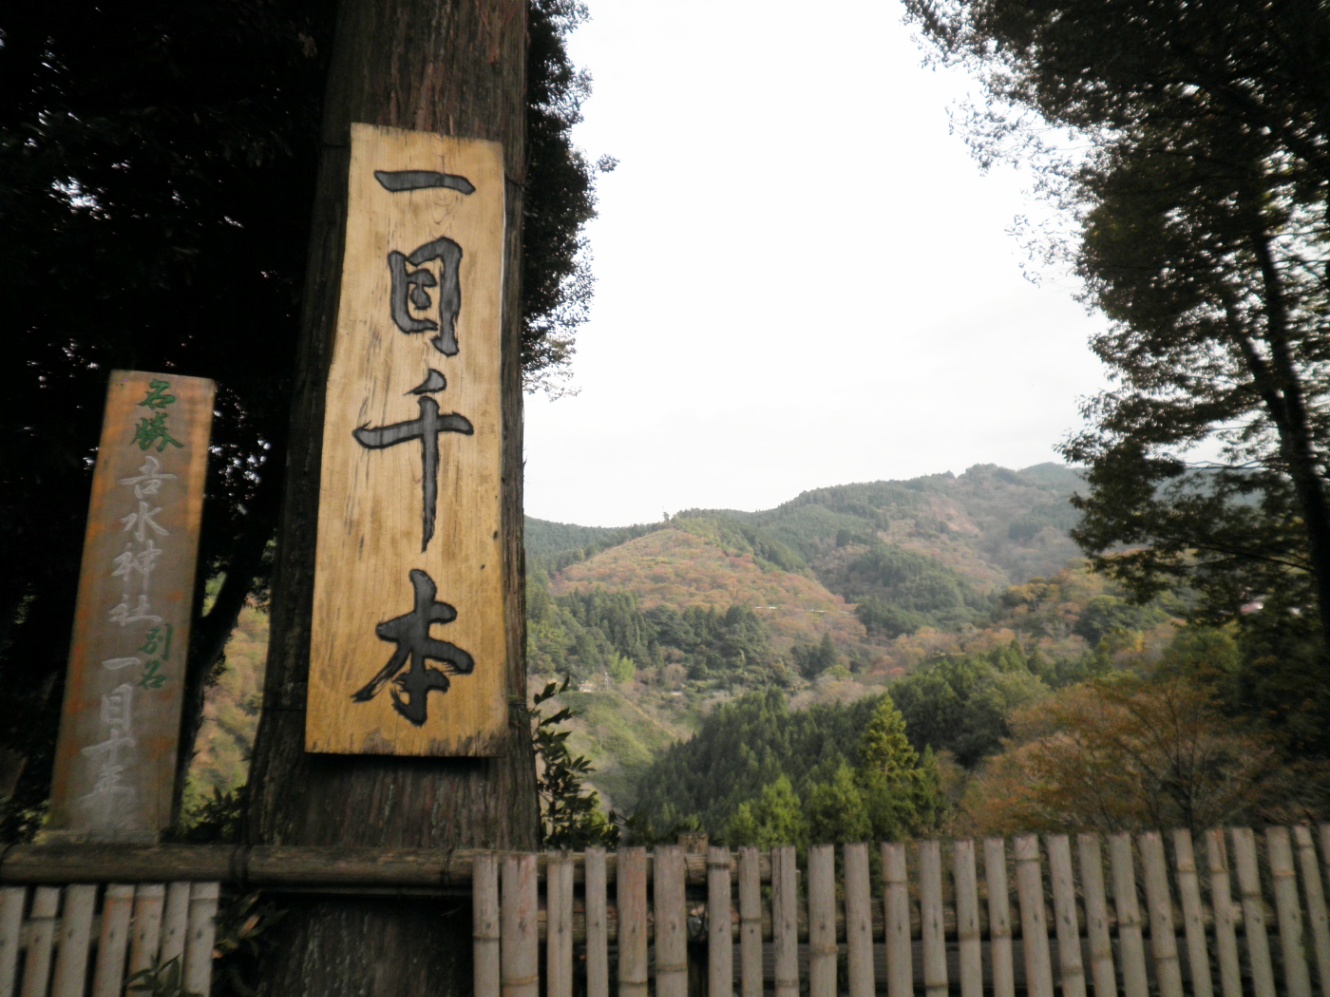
[960,593]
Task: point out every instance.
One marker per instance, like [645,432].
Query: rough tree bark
[455,67]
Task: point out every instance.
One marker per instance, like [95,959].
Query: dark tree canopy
[156,178]
[1202,213]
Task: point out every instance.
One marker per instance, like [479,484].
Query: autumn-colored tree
[1125,753]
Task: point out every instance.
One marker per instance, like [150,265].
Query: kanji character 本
[409,287]
[426,427]
[414,644]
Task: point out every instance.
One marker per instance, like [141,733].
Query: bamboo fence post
[519,928]
[967,919]
[785,920]
[1034,918]
[896,883]
[485,923]
[999,917]
[149,899]
[1096,915]
[597,926]
[1253,912]
[750,923]
[1221,903]
[1193,915]
[109,974]
[632,901]
[12,900]
[720,937]
[175,923]
[559,926]
[671,927]
[1316,911]
[932,925]
[71,955]
[1163,937]
[858,921]
[1070,965]
[41,941]
[1135,981]
[197,971]
[1288,912]
[822,948]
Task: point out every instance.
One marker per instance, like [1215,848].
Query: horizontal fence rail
[1229,913]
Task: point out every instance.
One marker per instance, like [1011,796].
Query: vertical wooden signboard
[408,645]
[116,754]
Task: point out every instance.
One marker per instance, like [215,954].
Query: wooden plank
[822,948]
[200,935]
[858,921]
[1288,912]
[1225,914]
[116,751]
[485,915]
[785,920]
[175,923]
[1034,917]
[632,904]
[1253,912]
[1071,967]
[559,926]
[896,901]
[1130,939]
[1163,936]
[146,936]
[12,901]
[518,927]
[410,500]
[597,926]
[999,917]
[71,954]
[1096,915]
[41,941]
[720,924]
[750,922]
[969,938]
[108,977]
[932,919]
[1193,915]
[1314,889]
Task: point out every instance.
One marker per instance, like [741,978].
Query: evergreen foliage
[1202,218]
[757,773]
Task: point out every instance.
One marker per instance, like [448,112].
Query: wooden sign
[116,753]
[408,648]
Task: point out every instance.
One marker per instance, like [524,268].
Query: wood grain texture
[720,924]
[999,917]
[859,921]
[375,501]
[116,752]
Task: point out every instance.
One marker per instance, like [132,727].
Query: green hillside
[827,598]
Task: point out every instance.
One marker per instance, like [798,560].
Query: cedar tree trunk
[455,67]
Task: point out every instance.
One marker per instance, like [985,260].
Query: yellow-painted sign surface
[116,755]
[408,648]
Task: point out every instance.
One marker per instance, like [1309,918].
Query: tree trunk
[455,67]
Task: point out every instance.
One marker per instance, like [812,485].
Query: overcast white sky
[802,278]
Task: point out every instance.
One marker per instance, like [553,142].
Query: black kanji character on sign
[409,287]
[426,427]
[411,635]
